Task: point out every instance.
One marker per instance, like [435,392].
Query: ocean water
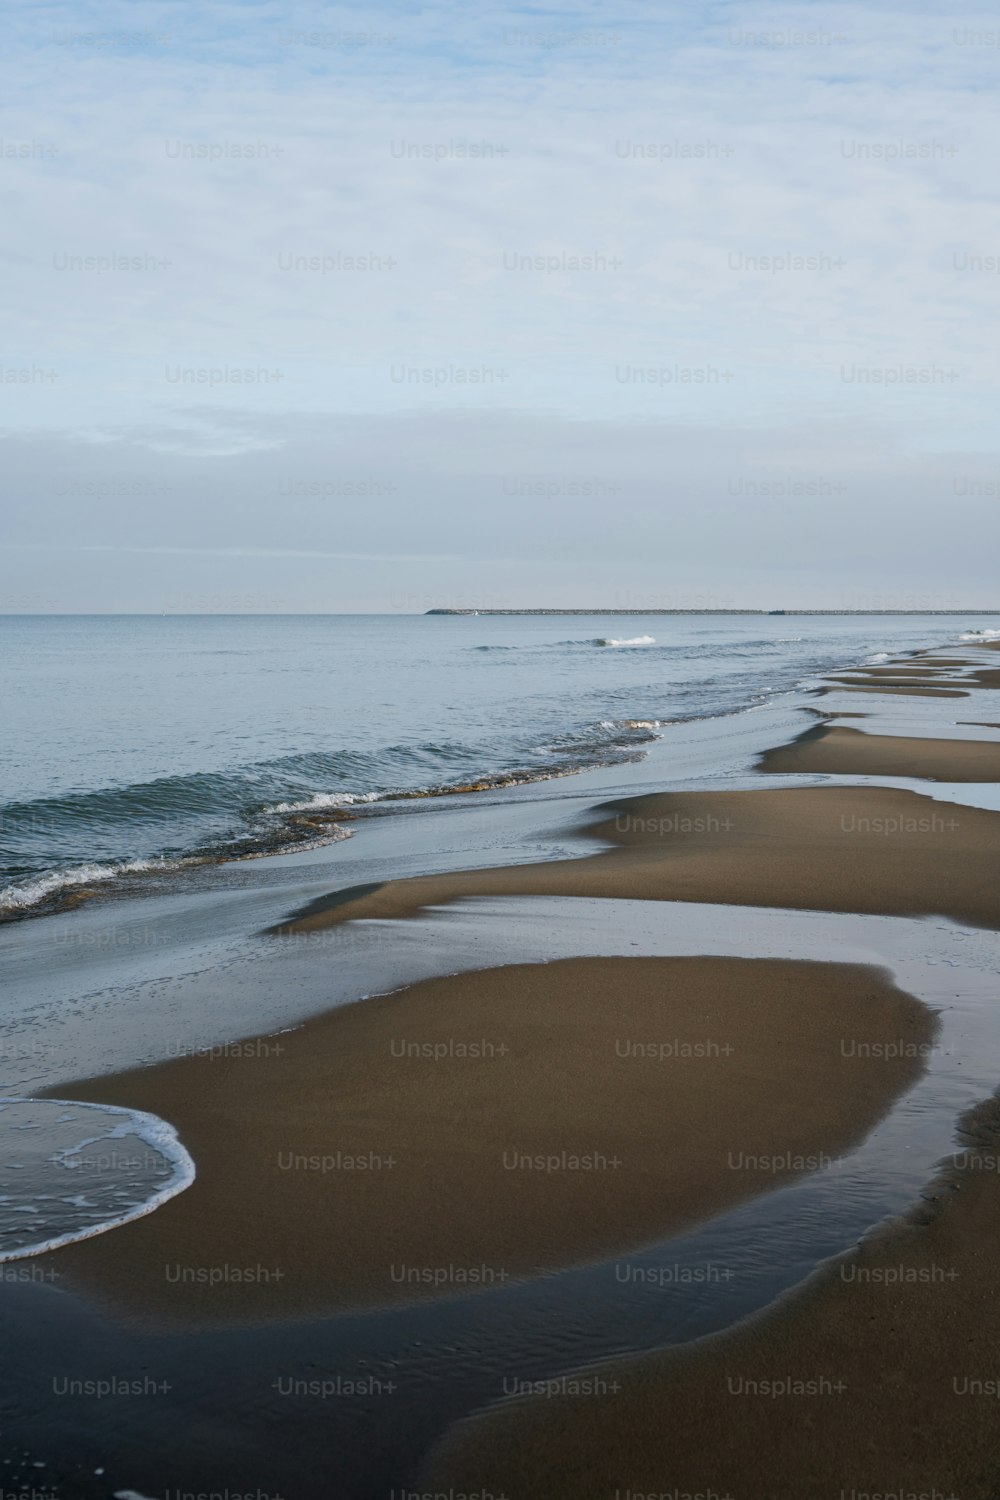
[72,1170]
[138,743]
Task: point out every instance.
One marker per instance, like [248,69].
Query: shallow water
[134,744]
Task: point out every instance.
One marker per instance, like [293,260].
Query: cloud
[373,511]
[248,239]
[265,552]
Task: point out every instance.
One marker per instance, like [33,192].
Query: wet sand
[973,676]
[831,848]
[901,669]
[859,685]
[878,1377]
[830,750]
[390,1150]
[931,687]
[941,661]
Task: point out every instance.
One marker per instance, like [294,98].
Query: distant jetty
[712,611]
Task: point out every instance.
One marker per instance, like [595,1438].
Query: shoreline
[895,1337]
[322,819]
[824,848]
[834,751]
[884,1340]
[738,848]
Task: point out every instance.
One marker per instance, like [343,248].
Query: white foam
[18,897]
[615,726]
[980,635]
[878,656]
[32,892]
[636,640]
[322,800]
[155,1132]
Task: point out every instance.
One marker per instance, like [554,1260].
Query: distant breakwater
[652,611]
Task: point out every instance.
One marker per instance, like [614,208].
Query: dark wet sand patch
[879,1377]
[496,1124]
[829,750]
[830,848]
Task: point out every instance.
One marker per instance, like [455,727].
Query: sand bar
[830,750]
[856,685]
[830,848]
[910,684]
[674,1076]
[943,661]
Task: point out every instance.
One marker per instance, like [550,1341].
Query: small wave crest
[980,635]
[323,800]
[15,898]
[73,1170]
[635,640]
[606,743]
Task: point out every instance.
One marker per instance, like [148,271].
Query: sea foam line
[150,1128]
[635,640]
[322,800]
[17,897]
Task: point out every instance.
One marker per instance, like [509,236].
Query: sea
[138,745]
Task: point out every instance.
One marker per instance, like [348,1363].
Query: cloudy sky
[327,309]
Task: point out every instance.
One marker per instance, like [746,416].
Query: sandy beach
[930,687]
[551,1114]
[484,1131]
[878,1377]
[833,751]
[831,848]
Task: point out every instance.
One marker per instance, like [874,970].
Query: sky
[653,305]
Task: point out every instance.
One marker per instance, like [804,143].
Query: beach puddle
[70,1170]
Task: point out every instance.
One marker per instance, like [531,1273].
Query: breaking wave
[635,640]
